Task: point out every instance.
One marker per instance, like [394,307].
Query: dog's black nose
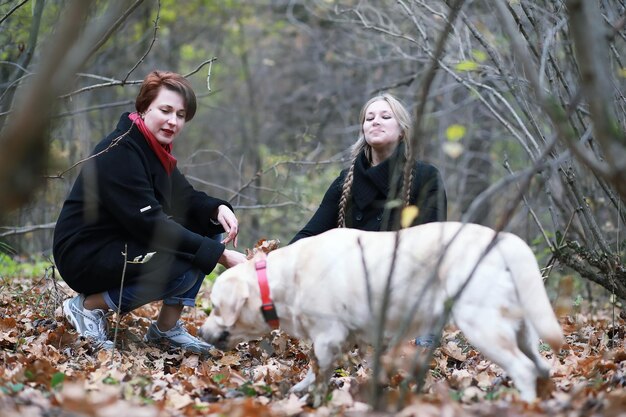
[223,337]
[222,340]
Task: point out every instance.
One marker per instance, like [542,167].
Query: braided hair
[404,120]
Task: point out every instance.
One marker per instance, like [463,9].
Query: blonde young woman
[358,196]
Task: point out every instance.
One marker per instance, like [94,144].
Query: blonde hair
[406,128]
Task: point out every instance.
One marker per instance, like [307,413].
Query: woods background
[523,111]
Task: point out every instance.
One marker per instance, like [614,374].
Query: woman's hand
[231,258]
[229,222]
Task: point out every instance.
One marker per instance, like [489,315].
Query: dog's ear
[232,301]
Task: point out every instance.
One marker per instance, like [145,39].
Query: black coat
[123,198]
[370,192]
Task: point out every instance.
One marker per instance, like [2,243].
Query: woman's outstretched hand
[229,222]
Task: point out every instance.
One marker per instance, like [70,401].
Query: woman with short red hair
[131,203]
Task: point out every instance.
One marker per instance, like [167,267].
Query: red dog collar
[267,309]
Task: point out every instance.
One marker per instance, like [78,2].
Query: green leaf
[57,379]
[479,55]
[247,389]
[109,380]
[218,378]
[455,132]
[466,65]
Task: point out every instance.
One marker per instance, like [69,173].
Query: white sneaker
[177,336]
[88,323]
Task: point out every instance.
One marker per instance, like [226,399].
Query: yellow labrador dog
[330,288]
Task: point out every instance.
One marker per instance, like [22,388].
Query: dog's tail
[532,293]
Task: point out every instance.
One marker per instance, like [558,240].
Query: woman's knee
[185,282]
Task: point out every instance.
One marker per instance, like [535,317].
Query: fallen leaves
[46,369]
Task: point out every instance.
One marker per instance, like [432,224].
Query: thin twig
[20,230]
[368,285]
[379,343]
[113,143]
[119,303]
[154,36]
[131,82]
[10,12]
[422,98]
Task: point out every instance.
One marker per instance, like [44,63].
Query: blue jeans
[178,291]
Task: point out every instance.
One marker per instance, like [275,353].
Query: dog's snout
[222,340]
[223,337]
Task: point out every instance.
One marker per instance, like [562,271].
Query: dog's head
[236,316]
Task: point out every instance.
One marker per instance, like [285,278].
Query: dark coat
[370,192]
[123,198]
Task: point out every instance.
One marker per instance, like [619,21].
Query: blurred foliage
[19,268]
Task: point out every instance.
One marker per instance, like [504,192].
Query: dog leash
[267,308]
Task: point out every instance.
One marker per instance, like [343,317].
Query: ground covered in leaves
[46,370]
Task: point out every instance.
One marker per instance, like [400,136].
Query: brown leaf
[263,246]
[229,359]
[176,400]
[461,378]
[7,324]
[290,406]
[453,350]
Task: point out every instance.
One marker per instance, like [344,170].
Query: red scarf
[163,152]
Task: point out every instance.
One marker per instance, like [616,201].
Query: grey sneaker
[177,336]
[88,323]
[427,340]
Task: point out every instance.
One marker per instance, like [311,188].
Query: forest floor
[47,370]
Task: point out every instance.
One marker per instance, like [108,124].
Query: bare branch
[113,143]
[199,67]
[10,12]
[113,27]
[20,230]
[24,141]
[154,35]
[592,54]
[596,86]
[25,58]
[131,82]
[422,97]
